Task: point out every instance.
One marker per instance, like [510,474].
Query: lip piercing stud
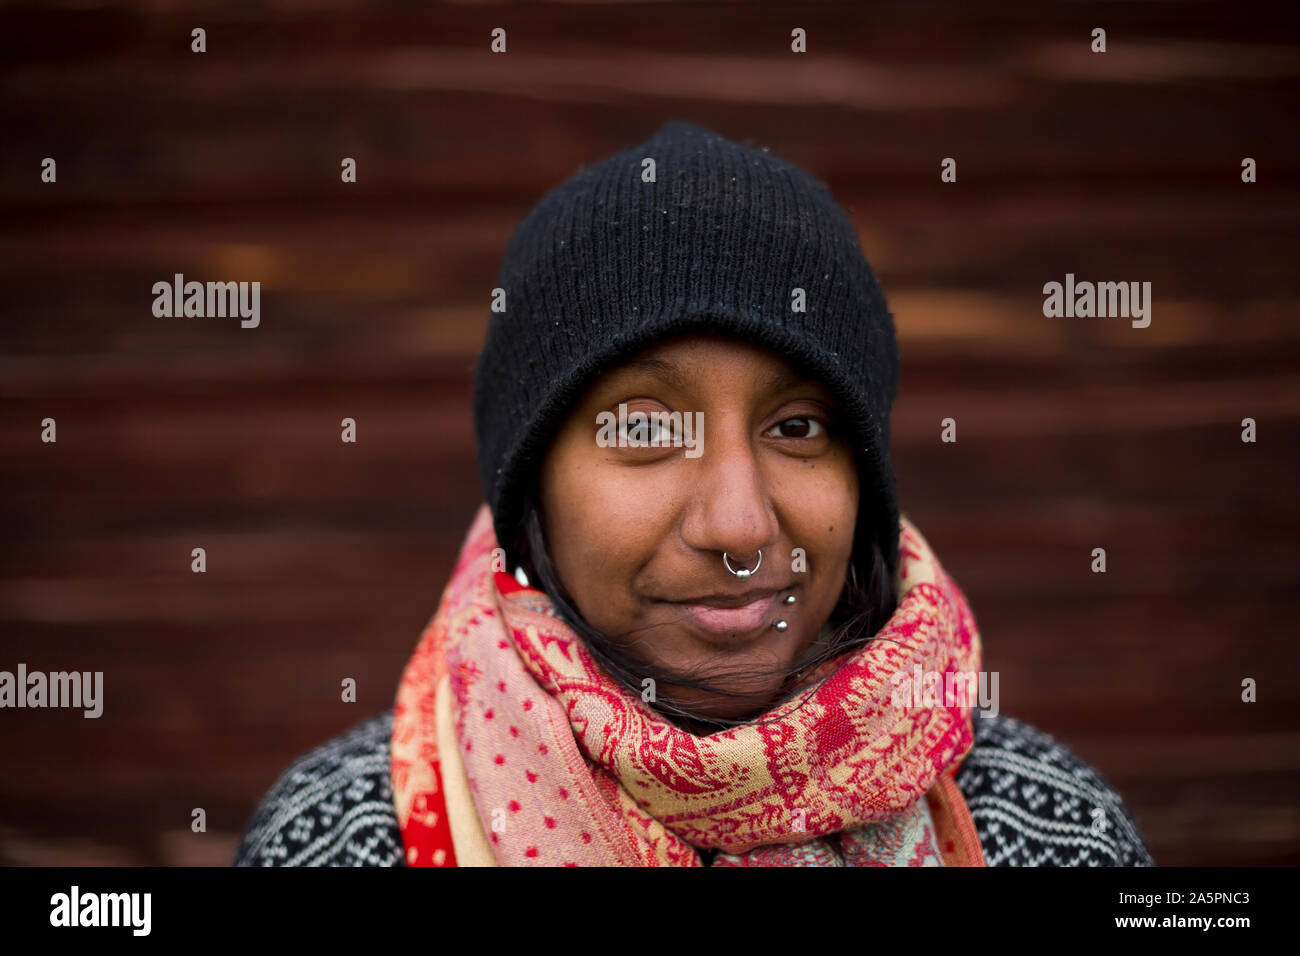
[743,573]
[782,625]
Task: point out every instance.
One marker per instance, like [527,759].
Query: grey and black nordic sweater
[1034,803]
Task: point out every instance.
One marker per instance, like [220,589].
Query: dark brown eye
[799,428]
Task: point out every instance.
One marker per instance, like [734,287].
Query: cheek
[820,512]
[822,500]
[601,524]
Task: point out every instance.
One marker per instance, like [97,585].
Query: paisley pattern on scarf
[568,767]
[905,839]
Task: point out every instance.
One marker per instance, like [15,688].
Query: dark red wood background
[326,559]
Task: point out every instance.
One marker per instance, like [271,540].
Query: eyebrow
[778,381]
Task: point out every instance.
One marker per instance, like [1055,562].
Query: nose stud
[742,573]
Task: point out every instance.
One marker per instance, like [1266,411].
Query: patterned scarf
[511,746]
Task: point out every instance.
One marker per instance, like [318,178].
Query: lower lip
[731,620]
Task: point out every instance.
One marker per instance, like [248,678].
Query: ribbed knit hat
[608,264]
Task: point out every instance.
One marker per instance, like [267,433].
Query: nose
[730,508]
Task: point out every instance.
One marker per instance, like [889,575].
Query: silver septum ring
[743,573]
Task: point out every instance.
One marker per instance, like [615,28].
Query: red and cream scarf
[512,747]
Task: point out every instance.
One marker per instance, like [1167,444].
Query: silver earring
[743,573]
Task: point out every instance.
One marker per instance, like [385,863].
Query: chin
[758,701]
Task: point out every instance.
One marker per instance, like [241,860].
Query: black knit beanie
[608,264]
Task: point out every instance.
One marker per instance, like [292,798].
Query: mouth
[730,614]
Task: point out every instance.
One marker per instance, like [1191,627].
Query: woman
[689,626]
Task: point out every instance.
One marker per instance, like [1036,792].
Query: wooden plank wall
[325,559]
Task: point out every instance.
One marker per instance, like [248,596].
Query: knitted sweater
[1034,803]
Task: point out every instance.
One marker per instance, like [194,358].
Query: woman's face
[637,534]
